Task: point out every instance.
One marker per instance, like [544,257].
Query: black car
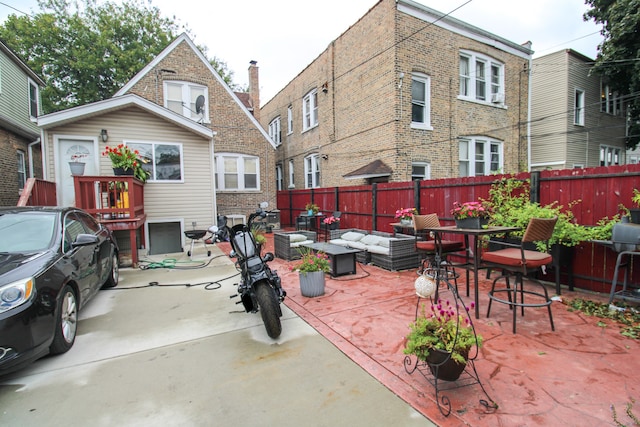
[52,261]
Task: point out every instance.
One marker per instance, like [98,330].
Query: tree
[618,61]
[86,52]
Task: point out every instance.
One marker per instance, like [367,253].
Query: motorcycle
[259,289]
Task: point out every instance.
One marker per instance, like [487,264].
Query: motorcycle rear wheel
[269,310]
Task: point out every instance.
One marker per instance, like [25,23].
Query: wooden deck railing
[38,192]
[116,201]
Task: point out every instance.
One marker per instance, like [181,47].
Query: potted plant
[472,215]
[126,161]
[443,339]
[259,237]
[635,213]
[405,215]
[311,269]
[332,222]
[76,165]
[312,208]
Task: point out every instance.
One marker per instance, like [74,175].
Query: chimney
[254,89]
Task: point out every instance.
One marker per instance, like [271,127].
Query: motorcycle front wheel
[269,310]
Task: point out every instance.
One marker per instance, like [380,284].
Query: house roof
[375,169]
[114,104]
[162,55]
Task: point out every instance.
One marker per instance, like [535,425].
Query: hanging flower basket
[77,168]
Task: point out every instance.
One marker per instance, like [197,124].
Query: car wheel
[66,322]
[114,274]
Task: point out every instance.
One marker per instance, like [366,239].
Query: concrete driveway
[178,355]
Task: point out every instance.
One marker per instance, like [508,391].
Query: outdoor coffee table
[343,260]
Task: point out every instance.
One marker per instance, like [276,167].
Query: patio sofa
[379,248]
[287,243]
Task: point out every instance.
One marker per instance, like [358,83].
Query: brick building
[244,153]
[20,149]
[404,93]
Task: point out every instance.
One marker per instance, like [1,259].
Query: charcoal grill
[196,235]
[625,240]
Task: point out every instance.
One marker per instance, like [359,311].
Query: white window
[420,171]
[237,172]
[610,101]
[22,170]
[312,171]
[33,100]
[310,110]
[420,101]
[181,97]
[161,159]
[609,156]
[289,120]
[578,108]
[291,175]
[274,131]
[481,78]
[279,178]
[479,156]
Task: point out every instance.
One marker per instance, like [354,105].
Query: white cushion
[340,242]
[297,238]
[352,236]
[384,241]
[298,244]
[375,249]
[358,245]
[370,239]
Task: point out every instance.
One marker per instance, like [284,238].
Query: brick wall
[365,115]
[10,143]
[235,132]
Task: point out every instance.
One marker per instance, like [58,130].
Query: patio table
[342,259]
[472,257]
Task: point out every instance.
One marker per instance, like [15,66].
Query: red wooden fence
[600,191]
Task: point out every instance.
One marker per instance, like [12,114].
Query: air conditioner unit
[497,98]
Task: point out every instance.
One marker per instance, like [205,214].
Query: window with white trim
[161,159]
[180,97]
[312,171]
[610,101]
[420,171]
[274,131]
[481,78]
[609,156]
[578,108]
[33,100]
[22,170]
[310,110]
[289,120]
[479,156]
[237,172]
[279,178]
[420,101]
[291,175]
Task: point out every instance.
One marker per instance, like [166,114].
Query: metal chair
[427,246]
[515,260]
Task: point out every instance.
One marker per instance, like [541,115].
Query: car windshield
[26,231]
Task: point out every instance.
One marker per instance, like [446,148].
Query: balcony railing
[116,201]
[38,192]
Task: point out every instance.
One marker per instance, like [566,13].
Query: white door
[69,150]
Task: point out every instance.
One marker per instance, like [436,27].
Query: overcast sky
[284,36]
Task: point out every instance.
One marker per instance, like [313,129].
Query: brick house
[20,150]
[206,152]
[576,121]
[404,93]
[244,154]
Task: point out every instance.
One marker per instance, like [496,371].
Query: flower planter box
[471,223]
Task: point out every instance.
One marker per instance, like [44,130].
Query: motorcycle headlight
[15,294]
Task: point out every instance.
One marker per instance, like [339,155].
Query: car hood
[15,266]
